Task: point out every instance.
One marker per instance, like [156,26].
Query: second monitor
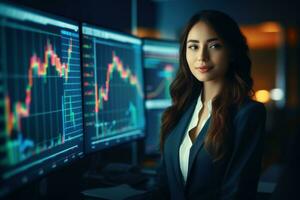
[113,87]
[160,67]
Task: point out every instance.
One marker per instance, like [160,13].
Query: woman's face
[206,53]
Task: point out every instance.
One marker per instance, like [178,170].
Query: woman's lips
[204,69]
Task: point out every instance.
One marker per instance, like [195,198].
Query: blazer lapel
[196,147]
[178,134]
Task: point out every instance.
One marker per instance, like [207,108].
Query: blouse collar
[198,107]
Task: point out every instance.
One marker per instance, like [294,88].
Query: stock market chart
[159,78]
[160,67]
[113,88]
[40,94]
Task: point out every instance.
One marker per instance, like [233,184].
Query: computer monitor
[112,87]
[160,66]
[40,95]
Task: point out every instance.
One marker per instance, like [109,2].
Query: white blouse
[184,150]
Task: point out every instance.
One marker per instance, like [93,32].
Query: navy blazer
[235,176]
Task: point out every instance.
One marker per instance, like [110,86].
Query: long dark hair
[186,88]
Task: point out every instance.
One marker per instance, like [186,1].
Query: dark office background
[166,16]
[278,58]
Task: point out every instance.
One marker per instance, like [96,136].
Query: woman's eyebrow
[197,41]
[193,41]
[212,39]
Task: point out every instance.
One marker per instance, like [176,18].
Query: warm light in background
[262,96]
[276,94]
[269,27]
[263,35]
[147,32]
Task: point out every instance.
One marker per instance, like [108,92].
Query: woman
[212,135]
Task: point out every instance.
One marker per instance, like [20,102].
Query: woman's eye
[193,47]
[215,46]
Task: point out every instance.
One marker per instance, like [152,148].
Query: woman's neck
[211,89]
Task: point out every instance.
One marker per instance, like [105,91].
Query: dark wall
[113,14]
[166,16]
[174,14]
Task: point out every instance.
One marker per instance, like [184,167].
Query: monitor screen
[40,95]
[160,66]
[113,88]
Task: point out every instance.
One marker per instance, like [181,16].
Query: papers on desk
[119,192]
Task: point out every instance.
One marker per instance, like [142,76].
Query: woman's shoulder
[249,119]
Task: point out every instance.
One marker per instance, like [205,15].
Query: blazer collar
[178,135]
[196,147]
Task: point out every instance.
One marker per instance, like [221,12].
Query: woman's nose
[202,54]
